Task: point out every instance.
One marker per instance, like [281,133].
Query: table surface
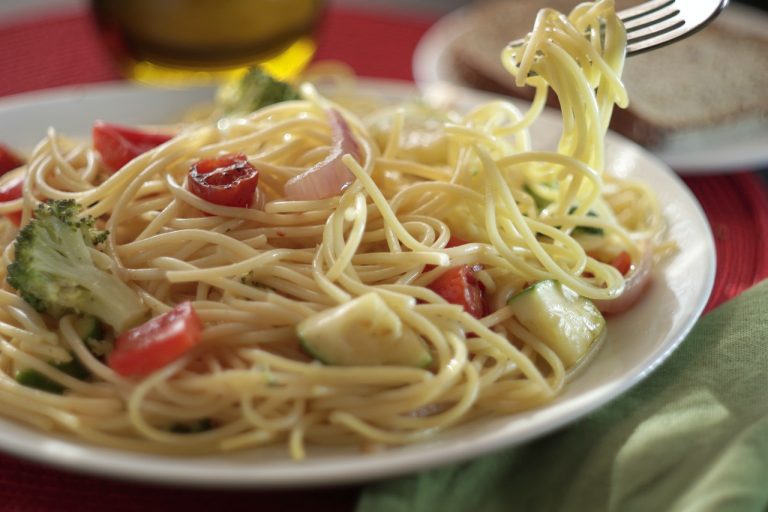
[43,47]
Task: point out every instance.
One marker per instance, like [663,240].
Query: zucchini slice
[362,332]
[567,322]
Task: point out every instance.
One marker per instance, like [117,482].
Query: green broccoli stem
[85,288]
[112,301]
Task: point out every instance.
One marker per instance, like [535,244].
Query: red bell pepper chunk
[458,285]
[154,344]
[118,145]
[228,180]
[8,160]
[10,190]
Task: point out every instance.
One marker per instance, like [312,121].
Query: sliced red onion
[635,285]
[329,177]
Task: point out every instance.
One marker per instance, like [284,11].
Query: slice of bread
[689,90]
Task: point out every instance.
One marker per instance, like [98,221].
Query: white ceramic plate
[729,152]
[637,341]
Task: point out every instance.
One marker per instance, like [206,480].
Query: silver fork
[657,23]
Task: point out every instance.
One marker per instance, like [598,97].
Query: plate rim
[73,455]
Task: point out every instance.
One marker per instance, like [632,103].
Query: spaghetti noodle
[418,179]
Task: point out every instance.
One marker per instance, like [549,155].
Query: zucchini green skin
[587,230]
[32,378]
[542,203]
[362,332]
[565,321]
[538,200]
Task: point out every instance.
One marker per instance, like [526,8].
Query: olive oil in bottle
[182,42]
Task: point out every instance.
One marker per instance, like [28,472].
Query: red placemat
[51,52]
[63,49]
[26,487]
[737,208]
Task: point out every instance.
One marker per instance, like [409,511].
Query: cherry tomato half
[154,344]
[455,241]
[622,262]
[118,145]
[458,285]
[228,180]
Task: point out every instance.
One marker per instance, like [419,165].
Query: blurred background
[21,7]
[15,6]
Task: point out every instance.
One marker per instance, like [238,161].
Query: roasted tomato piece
[118,145]
[154,344]
[228,180]
[458,285]
[622,262]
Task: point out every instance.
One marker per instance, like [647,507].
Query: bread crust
[716,78]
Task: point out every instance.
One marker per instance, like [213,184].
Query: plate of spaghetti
[345,282]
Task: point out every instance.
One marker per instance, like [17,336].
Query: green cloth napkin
[693,436]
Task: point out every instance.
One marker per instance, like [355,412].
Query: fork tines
[649,23]
[659,22]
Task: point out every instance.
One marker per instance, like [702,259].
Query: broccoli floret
[255,90]
[53,270]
